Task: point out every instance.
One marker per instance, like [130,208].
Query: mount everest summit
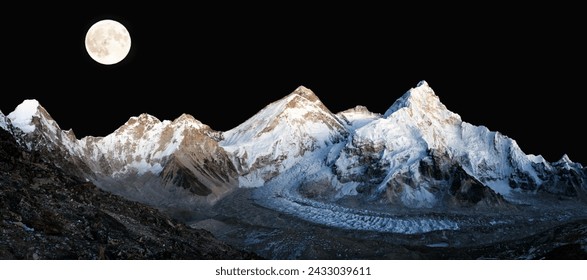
[295,152]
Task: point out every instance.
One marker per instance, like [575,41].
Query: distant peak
[566,163]
[306,93]
[358,116]
[143,118]
[147,117]
[422,96]
[22,116]
[185,117]
[422,83]
[565,158]
[359,109]
[29,106]
[188,119]
[303,96]
[422,90]
[302,89]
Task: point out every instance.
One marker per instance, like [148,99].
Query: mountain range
[46,213]
[304,160]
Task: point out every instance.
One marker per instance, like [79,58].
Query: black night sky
[517,71]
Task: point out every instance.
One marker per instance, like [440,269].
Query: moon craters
[107,42]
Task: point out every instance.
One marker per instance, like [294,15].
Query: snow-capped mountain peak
[35,122]
[142,119]
[142,124]
[293,110]
[359,110]
[187,119]
[22,116]
[358,116]
[567,163]
[422,83]
[421,101]
[306,93]
[420,113]
[276,137]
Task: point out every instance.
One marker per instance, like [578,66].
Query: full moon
[107,42]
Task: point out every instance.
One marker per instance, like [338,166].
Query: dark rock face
[569,182]
[468,191]
[47,214]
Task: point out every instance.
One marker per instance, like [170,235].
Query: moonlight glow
[107,42]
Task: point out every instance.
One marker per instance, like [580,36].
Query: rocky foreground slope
[45,214]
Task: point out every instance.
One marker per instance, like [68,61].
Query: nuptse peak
[417,154]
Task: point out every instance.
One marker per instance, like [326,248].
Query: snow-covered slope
[282,133]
